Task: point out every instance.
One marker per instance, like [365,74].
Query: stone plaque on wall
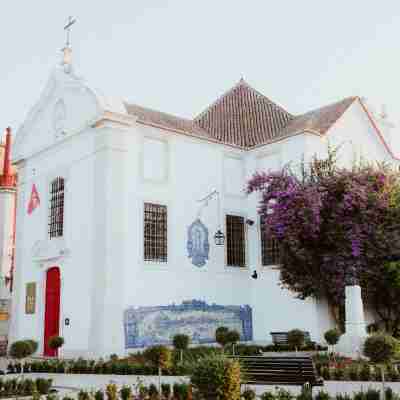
[30,302]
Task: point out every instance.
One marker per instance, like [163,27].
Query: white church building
[114,250]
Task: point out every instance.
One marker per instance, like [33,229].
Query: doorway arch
[52,309]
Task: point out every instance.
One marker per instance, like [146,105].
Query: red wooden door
[52,309]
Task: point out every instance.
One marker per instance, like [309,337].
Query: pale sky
[178,56]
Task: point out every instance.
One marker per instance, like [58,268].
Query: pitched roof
[319,120]
[244,118]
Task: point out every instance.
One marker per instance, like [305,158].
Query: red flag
[34,201]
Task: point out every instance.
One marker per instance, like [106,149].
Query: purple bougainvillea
[332,224]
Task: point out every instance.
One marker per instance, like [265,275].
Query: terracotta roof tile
[319,120]
[244,118]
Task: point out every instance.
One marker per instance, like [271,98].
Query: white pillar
[352,342]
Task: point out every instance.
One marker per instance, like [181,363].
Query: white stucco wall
[110,172]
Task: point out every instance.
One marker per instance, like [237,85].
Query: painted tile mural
[147,326]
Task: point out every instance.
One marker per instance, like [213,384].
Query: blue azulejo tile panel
[147,326]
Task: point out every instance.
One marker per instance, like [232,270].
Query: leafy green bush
[249,394]
[181,341]
[296,338]
[112,391]
[332,336]
[380,348]
[43,385]
[353,373]
[221,336]
[372,394]
[34,345]
[283,394]
[216,376]
[83,395]
[21,349]
[166,390]
[125,392]
[322,396]
[365,372]
[55,342]
[99,395]
[267,396]
[180,391]
[159,357]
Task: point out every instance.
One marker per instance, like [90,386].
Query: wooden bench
[281,338]
[297,371]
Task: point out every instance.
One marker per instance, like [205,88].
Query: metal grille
[155,233]
[270,250]
[56,208]
[235,241]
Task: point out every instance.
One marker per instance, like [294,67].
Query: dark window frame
[155,233]
[56,208]
[270,249]
[236,241]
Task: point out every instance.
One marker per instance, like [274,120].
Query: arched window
[56,208]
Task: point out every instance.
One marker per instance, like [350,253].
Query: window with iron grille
[235,241]
[270,250]
[56,208]
[155,233]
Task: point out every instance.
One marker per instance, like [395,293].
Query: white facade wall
[110,172]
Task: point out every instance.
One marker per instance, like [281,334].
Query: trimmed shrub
[153,391]
[181,341]
[380,348]
[83,395]
[365,373]
[372,394]
[112,391]
[21,349]
[217,377]
[249,394]
[332,336]
[125,392]
[159,357]
[220,335]
[43,385]
[99,395]
[166,390]
[267,396]
[296,338]
[322,396]
[283,394]
[34,345]
[55,342]
[180,391]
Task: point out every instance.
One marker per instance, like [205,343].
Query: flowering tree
[334,225]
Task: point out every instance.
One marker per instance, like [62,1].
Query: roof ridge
[241,83]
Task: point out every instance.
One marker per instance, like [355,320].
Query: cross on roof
[67,28]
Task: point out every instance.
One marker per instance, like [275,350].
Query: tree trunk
[159,380]
[383,382]
[335,314]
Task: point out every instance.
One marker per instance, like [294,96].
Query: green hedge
[24,387]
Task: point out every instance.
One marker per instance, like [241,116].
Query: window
[155,233]
[270,251]
[56,211]
[235,241]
